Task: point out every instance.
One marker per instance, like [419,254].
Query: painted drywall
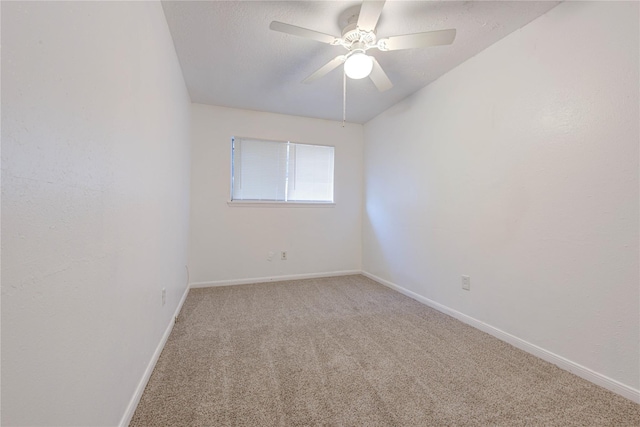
[95,200]
[519,168]
[229,244]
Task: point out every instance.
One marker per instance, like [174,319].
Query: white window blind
[281,171]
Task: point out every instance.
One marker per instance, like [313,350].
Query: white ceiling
[230,58]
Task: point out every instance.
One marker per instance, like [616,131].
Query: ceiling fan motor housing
[351,34]
[351,37]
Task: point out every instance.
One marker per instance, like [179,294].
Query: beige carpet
[347,351]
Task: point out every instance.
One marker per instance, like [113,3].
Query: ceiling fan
[358,36]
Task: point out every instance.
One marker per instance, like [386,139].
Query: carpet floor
[347,351]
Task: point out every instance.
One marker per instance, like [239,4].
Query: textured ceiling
[230,58]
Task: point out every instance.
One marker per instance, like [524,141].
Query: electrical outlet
[283,255]
[466,283]
[164,295]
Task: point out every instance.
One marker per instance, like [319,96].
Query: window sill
[270,204]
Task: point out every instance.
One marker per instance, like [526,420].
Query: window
[281,171]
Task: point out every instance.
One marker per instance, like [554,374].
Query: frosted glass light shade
[358,66]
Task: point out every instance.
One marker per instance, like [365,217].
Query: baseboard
[272,279]
[563,363]
[133,404]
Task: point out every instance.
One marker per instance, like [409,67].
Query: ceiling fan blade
[410,41]
[326,68]
[369,14]
[379,77]
[302,32]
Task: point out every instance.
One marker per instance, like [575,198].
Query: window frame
[278,203]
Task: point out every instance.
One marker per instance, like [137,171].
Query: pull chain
[344,97]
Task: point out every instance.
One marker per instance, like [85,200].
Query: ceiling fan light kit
[358,36]
[358,65]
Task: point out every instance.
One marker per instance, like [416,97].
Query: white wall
[519,168]
[231,244]
[95,199]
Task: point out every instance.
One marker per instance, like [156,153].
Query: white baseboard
[563,363]
[272,279]
[133,404]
